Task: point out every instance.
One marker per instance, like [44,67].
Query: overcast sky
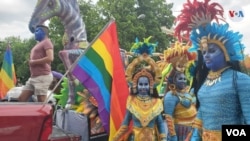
[15,16]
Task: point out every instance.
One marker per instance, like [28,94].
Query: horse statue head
[69,13]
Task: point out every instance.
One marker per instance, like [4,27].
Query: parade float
[75,115]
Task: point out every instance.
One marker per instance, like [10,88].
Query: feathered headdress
[146,47]
[227,40]
[177,53]
[143,51]
[196,14]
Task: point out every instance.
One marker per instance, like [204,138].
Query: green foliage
[126,13]
[92,18]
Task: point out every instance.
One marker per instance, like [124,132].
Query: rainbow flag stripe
[101,71]
[7,74]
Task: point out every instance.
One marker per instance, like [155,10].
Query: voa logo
[236,14]
[236,132]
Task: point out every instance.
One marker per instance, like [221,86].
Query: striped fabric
[7,73]
[101,71]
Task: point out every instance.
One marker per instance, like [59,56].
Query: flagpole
[78,58]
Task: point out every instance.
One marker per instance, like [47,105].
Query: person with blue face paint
[41,57]
[143,87]
[178,59]
[40,33]
[221,88]
[179,107]
[143,108]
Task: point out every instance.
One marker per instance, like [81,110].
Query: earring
[172,88]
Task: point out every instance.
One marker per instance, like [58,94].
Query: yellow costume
[144,107]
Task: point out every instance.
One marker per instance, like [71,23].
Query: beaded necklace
[214,77]
[144,98]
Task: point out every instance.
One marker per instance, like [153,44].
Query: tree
[92,18]
[131,25]
[20,52]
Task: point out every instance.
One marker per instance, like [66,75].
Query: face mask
[143,86]
[39,34]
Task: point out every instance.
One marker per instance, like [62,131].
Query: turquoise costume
[179,104]
[223,103]
[223,95]
[221,89]
[181,109]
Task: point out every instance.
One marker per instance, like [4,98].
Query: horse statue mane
[69,13]
[75,37]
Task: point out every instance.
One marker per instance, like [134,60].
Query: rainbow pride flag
[101,71]
[7,73]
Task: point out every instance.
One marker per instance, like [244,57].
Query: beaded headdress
[194,14]
[144,63]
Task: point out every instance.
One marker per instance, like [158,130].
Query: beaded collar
[214,77]
[143,98]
